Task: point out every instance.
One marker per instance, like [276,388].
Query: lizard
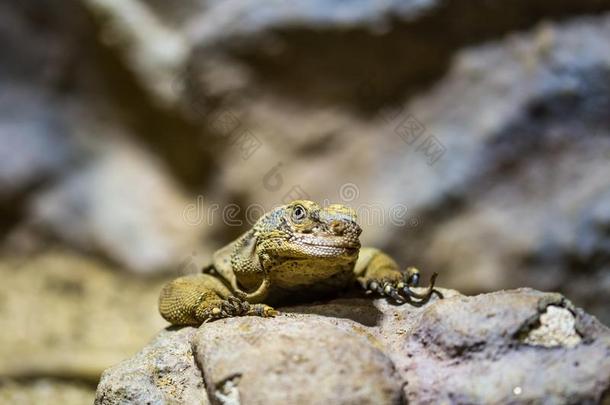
[294,252]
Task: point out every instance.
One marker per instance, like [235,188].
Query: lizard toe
[262,310]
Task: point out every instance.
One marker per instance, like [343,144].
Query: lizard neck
[257,295]
[248,270]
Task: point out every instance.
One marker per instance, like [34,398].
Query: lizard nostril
[338,227]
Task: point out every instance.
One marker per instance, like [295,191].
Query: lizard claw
[269,312]
[392,290]
[386,288]
[230,307]
[424,296]
[400,290]
[235,306]
[262,310]
[212,314]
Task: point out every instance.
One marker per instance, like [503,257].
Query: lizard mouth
[330,242]
[309,250]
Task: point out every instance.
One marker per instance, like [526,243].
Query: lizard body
[295,251]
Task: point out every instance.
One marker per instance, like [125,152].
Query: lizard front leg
[196,299]
[378,272]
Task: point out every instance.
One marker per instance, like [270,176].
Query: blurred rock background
[138,136]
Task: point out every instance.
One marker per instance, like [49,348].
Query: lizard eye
[298,213]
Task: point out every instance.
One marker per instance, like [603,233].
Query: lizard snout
[341,228]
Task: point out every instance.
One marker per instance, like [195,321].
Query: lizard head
[304,230]
[284,242]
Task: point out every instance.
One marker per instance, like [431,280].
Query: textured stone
[556,329]
[471,349]
[162,373]
[294,359]
[518,346]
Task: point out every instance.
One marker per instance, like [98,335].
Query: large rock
[518,346]
[294,360]
[164,372]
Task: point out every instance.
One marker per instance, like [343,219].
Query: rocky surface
[516,346]
[164,372]
[292,360]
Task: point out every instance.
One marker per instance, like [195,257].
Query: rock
[517,346]
[163,372]
[65,317]
[297,359]
[556,329]
[497,340]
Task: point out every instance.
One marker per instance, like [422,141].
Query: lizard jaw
[327,249]
[327,241]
